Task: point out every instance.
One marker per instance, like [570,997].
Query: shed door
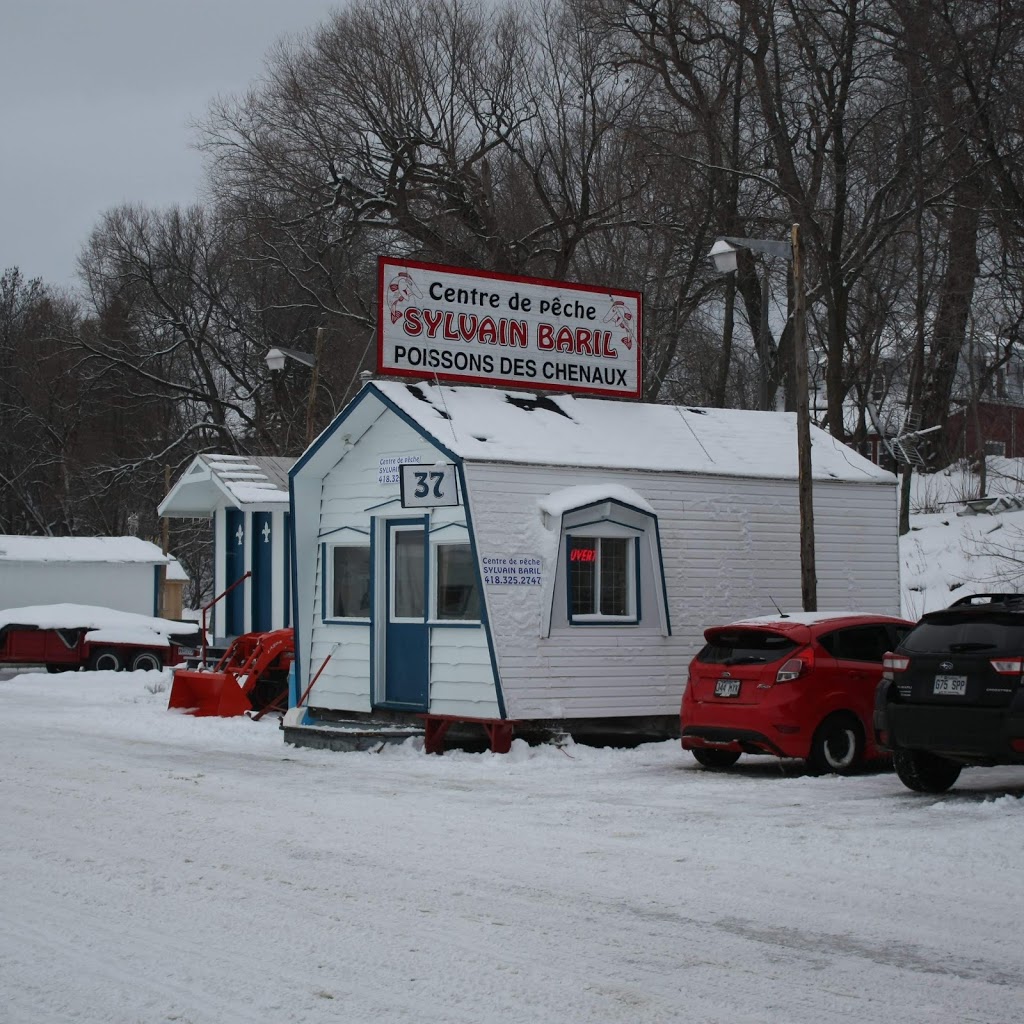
[262,571]
[234,569]
[406,643]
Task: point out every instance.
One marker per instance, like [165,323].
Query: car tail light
[1008,666]
[795,667]
[895,662]
[1018,746]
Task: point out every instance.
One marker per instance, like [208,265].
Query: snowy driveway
[155,867]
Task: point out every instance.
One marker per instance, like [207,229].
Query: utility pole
[314,380]
[808,572]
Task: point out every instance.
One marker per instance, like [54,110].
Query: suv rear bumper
[983,735]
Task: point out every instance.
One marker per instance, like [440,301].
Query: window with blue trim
[456,596]
[350,582]
[601,576]
[609,571]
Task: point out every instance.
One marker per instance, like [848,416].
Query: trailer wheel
[146,661]
[107,659]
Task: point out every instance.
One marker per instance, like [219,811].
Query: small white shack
[122,573]
[507,556]
[246,500]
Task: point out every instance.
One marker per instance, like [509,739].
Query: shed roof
[257,483]
[492,425]
[80,549]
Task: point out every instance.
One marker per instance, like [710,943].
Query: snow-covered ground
[156,867]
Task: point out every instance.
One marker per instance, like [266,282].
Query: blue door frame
[234,567]
[261,583]
[406,607]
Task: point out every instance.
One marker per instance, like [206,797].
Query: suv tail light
[1008,666]
[795,667]
[895,662]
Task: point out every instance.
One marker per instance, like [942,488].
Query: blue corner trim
[373,611]
[661,571]
[295,680]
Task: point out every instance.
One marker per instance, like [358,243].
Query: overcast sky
[96,97]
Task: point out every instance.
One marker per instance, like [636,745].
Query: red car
[799,685]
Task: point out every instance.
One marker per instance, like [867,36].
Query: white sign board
[523,332]
[513,571]
[428,486]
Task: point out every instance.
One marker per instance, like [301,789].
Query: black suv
[951,693]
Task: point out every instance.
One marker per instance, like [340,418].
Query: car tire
[146,661]
[715,758]
[106,659]
[837,747]
[923,772]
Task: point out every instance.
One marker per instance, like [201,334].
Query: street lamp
[723,254]
[277,357]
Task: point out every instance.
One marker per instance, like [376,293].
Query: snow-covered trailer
[246,500]
[122,573]
[476,554]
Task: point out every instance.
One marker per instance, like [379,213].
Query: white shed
[246,500]
[506,556]
[122,573]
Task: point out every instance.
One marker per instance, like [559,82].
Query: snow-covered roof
[80,549]
[487,424]
[258,483]
[176,571]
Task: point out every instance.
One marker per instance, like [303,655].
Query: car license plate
[955,686]
[727,688]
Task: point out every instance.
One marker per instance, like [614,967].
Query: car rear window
[745,645]
[958,635]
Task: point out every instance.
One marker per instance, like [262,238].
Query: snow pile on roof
[251,480]
[801,618]
[93,617]
[559,502]
[487,424]
[79,549]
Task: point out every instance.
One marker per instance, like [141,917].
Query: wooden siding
[730,546]
[461,678]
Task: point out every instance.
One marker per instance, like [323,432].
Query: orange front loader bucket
[207,693]
[227,691]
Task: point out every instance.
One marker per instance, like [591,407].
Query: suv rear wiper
[961,648]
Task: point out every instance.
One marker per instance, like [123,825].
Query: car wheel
[146,661]
[837,747]
[715,758]
[107,659]
[923,772]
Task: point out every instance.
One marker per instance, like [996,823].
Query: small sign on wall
[513,571]
[429,486]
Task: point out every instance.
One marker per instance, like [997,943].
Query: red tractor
[252,676]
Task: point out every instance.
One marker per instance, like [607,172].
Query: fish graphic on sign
[401,288]
[622,316]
